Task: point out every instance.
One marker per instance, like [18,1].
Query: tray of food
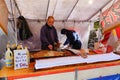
[50,54]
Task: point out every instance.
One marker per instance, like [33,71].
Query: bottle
[8,45]
[28,55]
[9,59]
[13,47]
[19,47]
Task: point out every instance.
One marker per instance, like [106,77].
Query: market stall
[95,21]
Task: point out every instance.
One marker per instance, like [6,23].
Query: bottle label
[9,63]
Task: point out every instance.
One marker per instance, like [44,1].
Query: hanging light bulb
[90,1]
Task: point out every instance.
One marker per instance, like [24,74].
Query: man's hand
[50,46]
[58,45]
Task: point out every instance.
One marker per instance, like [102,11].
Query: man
[72,38]
[48,35]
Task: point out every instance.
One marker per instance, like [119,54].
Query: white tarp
[62,61]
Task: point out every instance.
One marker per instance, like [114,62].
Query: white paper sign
[20,59]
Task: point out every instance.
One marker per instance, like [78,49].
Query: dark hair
[21,18]
[63,31]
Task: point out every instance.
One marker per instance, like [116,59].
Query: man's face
[50,22]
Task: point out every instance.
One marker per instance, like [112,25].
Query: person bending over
[72,38]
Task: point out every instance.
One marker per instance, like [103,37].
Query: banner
[110,17]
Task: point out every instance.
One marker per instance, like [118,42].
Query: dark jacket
[72,38]
[24,31]
[48,35]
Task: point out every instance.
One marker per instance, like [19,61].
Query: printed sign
[20,59]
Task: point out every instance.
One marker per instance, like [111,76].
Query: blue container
[110,77]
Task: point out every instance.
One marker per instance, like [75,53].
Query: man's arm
[56,36]
[43,36]
[66,42]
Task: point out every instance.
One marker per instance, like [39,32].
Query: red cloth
[98,51]
[106,37]
[118,32]
[109,49]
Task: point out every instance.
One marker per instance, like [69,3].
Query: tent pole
[47,9]
[72,10]
[15,21]
[55,7]
[64,23]
[57,20]
[12,13]
[17,8]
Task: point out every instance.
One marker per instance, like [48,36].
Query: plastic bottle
[19,47]
[8,45]
[13,47]
[9,59]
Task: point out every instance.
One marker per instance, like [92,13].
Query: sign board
[20,59]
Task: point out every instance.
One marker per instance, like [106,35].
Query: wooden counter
[63,72]
[12,74]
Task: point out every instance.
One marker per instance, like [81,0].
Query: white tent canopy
[74,10]
[77,14]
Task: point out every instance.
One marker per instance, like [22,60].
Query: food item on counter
[45,53]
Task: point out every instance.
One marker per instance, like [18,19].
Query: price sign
[20,59]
